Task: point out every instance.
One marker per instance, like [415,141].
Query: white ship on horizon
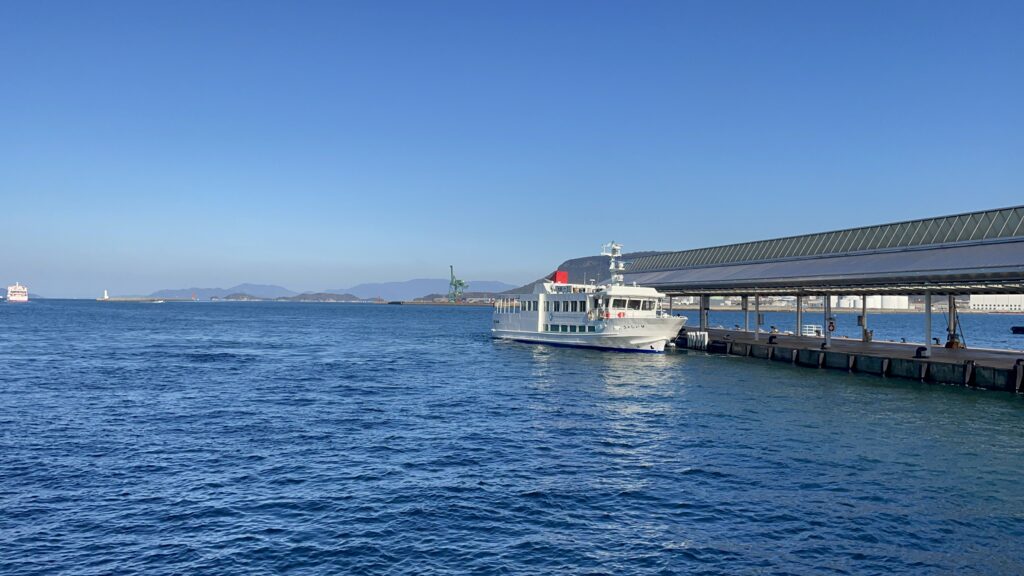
[612,316]
[17,293]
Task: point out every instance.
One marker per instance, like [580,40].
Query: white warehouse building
[998,302]
[885,302]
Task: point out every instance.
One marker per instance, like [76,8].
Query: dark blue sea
[273,438]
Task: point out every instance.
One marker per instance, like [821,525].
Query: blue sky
[148,145]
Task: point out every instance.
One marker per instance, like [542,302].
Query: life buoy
[607,315]
[622,314]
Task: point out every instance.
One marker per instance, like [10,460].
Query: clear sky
[315,145]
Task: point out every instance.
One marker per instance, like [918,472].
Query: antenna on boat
[614,252]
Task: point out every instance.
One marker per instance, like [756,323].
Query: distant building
[998,302]
[684,301]
[886,302]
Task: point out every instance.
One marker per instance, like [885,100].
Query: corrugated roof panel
[1019,215]
[966,263]
[992,224]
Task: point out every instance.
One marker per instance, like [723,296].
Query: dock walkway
[982,368]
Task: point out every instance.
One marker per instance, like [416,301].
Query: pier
[937,258]
[982,368]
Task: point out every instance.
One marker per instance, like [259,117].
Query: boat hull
[618,336]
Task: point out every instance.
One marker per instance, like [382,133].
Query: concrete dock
[981,368]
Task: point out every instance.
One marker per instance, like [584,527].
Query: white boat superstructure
[611,316]
[17,293]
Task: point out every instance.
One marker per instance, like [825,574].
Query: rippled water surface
[308,439]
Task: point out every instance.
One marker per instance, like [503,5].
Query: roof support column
[757,317]
[864,337]
[951,327]
[799,315]
[746,313]
[828,318]
[927,325]
[705,303]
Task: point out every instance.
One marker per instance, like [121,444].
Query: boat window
[573,306]
[591,328]
[619,303]
[572,328]
[648,305]
[634,304]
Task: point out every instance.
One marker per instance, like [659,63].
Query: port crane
[455,287]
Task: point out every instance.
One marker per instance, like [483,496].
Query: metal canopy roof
[978,252]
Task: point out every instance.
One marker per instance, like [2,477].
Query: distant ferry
[611,316]
[17,293]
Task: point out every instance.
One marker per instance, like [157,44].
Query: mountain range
[581,271]
[258,290]
[417,288]
[406,290]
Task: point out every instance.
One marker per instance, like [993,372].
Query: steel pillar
[864,317]
[746,313]
[828,316]
[705,304]
[927,324]
[799,315]
[951,325]
[757,317]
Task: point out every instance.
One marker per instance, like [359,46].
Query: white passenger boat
[611,316]
[17,293]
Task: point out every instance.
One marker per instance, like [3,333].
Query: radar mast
[615,266]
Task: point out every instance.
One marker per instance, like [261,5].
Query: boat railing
[812,330]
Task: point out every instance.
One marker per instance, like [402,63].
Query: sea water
[274,438]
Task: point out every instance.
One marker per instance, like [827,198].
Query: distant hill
[239,297]
[306,297]
[583,270]
[411,289]
[406,290]
[320,297]
[258,291]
